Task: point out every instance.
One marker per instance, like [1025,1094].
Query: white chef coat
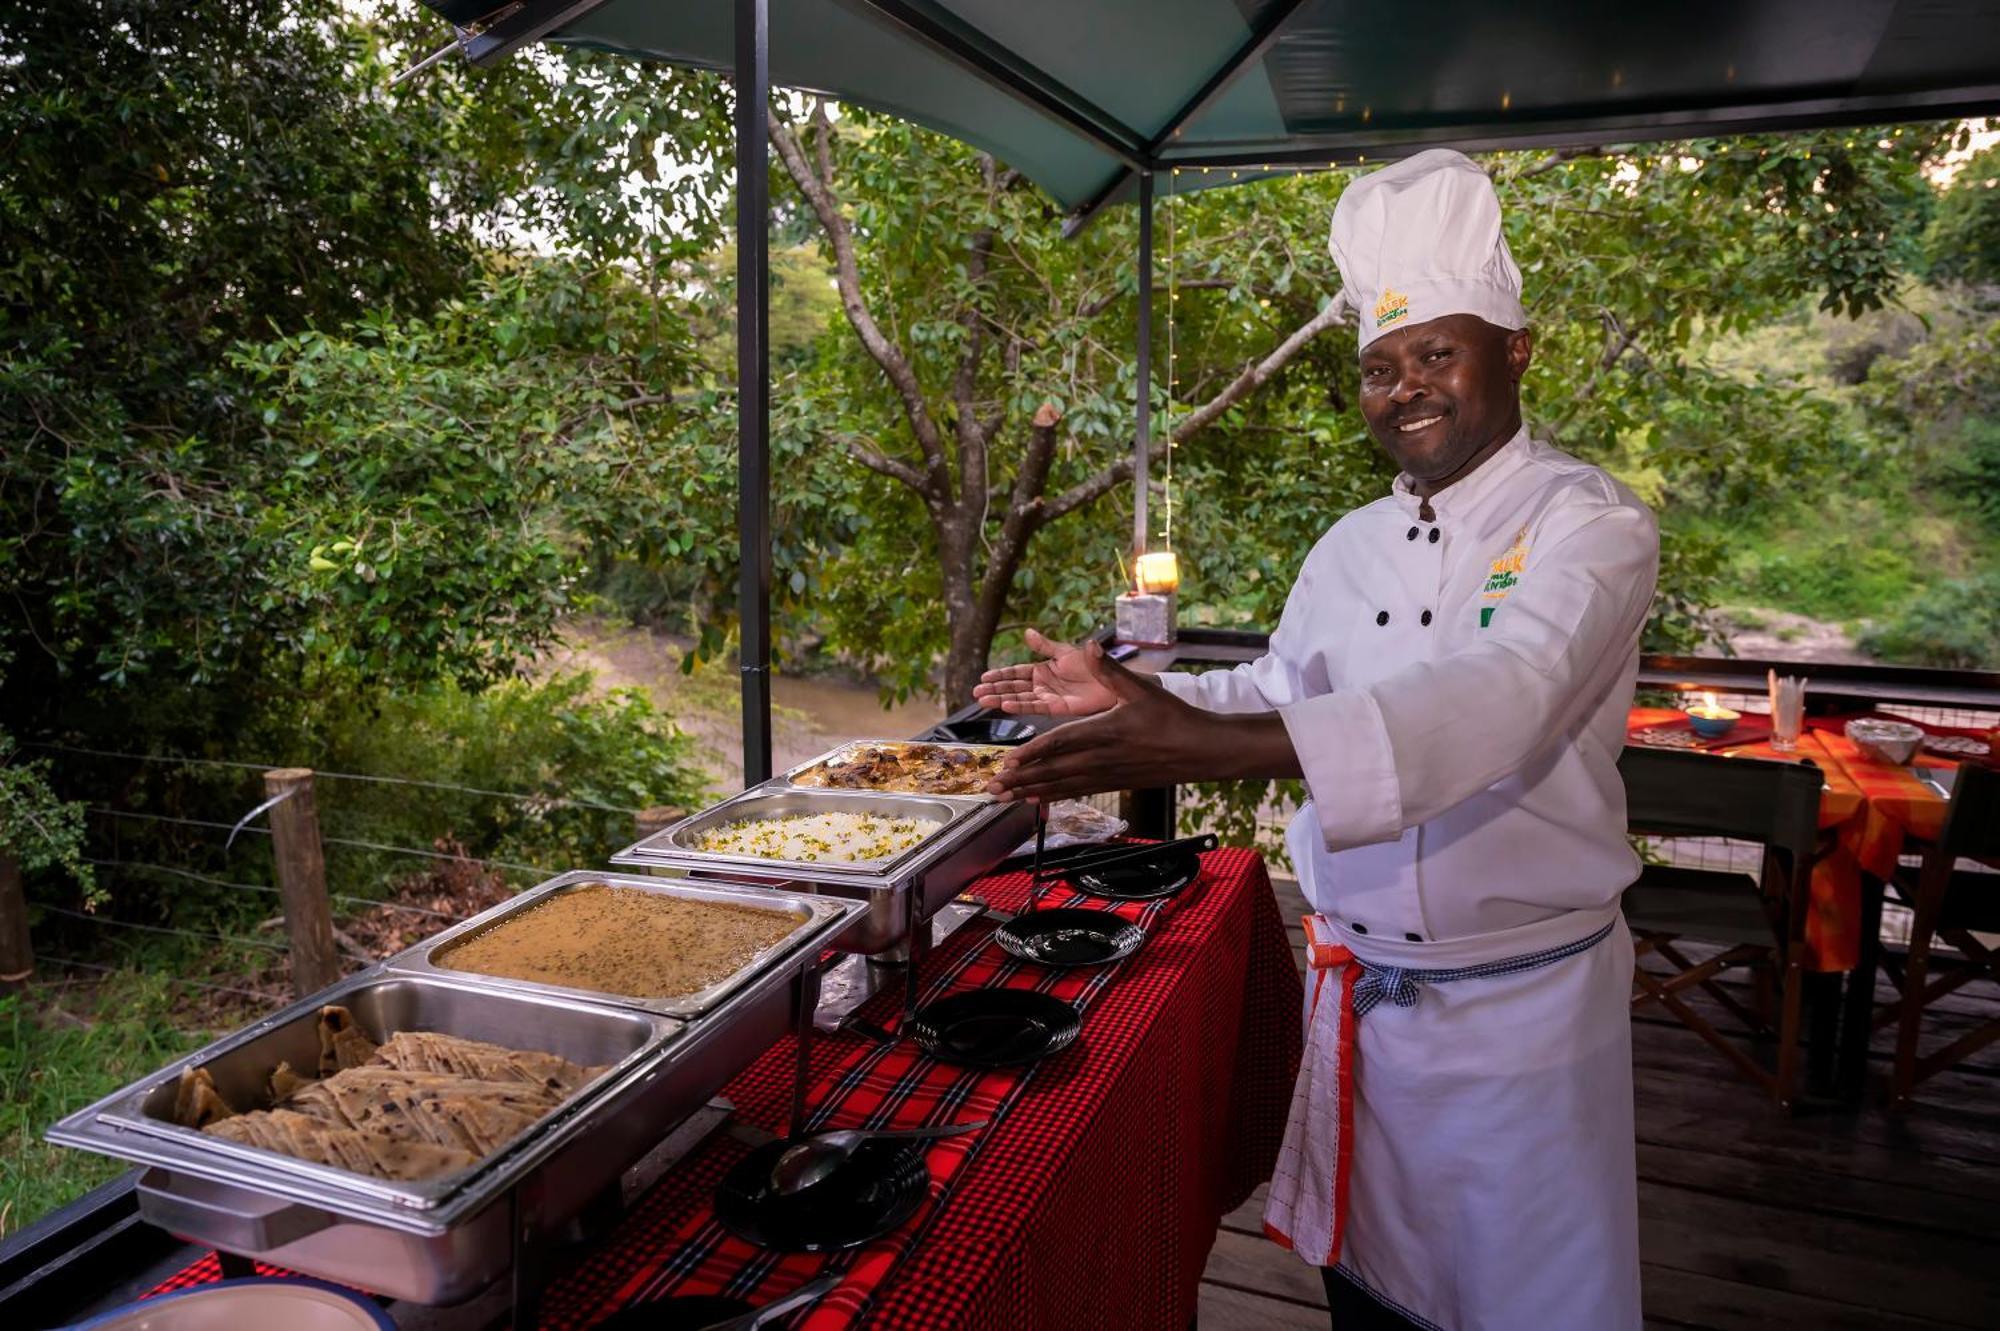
[1456,687]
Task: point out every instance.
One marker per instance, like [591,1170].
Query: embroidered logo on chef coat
[1394,305]
[1502,576]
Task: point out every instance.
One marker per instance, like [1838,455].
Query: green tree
[1963,241]
[224,241]
[1005,350]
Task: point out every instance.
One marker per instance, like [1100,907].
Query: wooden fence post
[17,954]
[302,879]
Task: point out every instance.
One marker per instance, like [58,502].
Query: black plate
[683,1312]
[1070,936]
[988,730]
[995,1028]
[875,1191]
[1148,880]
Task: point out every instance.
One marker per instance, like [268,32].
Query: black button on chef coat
[1381,617]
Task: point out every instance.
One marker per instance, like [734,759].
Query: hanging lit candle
[1157,573]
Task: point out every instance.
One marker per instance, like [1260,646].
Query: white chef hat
[1421,239]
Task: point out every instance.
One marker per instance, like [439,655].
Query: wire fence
[353,843]
[346,899]
[541,800]
[107,922]
[79,963]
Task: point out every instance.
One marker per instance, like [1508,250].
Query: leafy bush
[1971,469]
[548,775]
[1953,624]
[584,763]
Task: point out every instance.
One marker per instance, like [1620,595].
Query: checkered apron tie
[1307,1211]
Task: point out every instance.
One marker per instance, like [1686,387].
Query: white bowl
[1887,741]
[290,1303]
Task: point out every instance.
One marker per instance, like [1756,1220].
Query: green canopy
[1077,95]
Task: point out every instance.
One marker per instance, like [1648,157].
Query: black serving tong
[1041,842]
[1077,859]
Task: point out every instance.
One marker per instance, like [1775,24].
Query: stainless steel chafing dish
[846,752]
[972,834]
[441,1240]
[821,923]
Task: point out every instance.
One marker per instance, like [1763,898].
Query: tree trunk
[965,660]
[17,954]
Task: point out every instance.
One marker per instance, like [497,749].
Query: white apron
[1474,1167]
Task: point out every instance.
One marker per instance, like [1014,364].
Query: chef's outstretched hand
[1144,737]
[1062,684]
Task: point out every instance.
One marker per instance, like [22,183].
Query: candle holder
[1146,619]
[1710,719]
[1148,614]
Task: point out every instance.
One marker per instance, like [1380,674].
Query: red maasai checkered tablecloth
[1092,1198]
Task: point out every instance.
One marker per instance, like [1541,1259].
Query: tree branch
[847,278]
[881,462]
[1561,157]
[1255,376]
[1083,493]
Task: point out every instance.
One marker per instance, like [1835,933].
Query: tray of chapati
[400,1129]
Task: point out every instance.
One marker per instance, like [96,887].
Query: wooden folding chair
[1759,920]
[1952,904]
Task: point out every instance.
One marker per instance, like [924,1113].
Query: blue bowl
[1711,727]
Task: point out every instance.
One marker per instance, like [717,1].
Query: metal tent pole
[753,381]
[1142,438]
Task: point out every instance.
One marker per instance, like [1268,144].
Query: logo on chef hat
[1394,305]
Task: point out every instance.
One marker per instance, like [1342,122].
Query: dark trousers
[1355,1309]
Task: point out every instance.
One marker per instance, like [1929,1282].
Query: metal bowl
[1894,742]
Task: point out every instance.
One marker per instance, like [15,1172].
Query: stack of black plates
[995,1028]
[1068,936]
[877,1189]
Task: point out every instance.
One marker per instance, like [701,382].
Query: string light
[1173,358]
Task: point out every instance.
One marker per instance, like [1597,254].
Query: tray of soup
[679,947]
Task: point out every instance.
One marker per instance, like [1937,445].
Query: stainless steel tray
[899,894]
[675,845]
[791,777]
[443,1240]
[821,923]
[241,1065]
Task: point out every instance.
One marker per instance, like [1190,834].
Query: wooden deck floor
[1845,1221]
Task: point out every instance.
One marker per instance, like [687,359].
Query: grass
[62,1045]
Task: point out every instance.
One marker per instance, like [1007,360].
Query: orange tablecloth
[1871,807]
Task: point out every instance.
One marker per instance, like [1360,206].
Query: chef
[1450,676]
